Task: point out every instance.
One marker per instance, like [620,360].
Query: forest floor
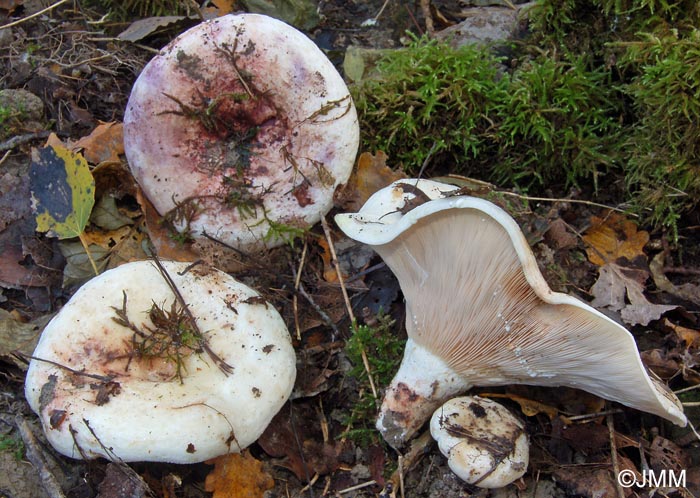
[79,74]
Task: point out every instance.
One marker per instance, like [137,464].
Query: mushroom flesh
[479,312]
[484,443]
[160,362]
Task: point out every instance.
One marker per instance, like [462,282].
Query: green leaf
[63,191]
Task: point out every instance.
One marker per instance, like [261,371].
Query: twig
[324,316]
[36,14]
[357,486]
[613,454]
[573,201]
[101,378]
[5,156]
[297,283]
[22,139]
[36,457]
[86,246]
[202,341]
[336,265]
[334,262]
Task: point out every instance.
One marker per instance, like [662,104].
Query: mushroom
[479,312]
[157,361]
[240,129]
[484,443]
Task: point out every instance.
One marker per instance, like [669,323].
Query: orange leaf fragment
[529,407]
[104,144]
[238,476]
[370,175]
[614,237]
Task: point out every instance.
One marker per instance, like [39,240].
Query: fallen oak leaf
[689,292]
[370,175]
[529,407]
[104,144]
[238,476]
[615,282]
[613,237]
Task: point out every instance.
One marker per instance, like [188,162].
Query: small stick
[613,454]
[318,310]
[36,14]
[334,262]
[297,283]
[357,486]
[35,456]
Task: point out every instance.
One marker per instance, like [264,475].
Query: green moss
[600,87]
[662,144]
[383,349]
[430,98]
[557,124]
[12,444]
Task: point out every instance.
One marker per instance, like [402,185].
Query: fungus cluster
[240,129]
[479,312]
[161,362]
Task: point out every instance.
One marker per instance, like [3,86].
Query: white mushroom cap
[239,122]
[479,312]
[484,443]
[97,397]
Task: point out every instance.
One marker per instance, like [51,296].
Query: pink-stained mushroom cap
[479,312]
[239,123]
[120,372]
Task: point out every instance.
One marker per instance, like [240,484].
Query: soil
[69,59]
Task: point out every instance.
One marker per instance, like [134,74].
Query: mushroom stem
[424,381]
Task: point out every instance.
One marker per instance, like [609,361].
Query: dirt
[70,61]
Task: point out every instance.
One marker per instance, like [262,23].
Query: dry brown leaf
[689,292]
[138,30]
[238,476]
[690,337]
[614,283]
[529,407]
[104,144]
[159,234]
[370,175]
[225,6]
[613,237]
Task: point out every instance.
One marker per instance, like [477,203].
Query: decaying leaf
[689,292]
[63,191]
[104,144]
[617,282]
[529,407]
[613,237]
[19,336]
[370,175]
[138,30]
[238,476]
[107,216]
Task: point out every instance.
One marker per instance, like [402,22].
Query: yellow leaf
[63,191]
[529,407]
[238,476]
[614,237]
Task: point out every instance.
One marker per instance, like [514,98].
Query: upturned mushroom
[484,443]
[479,312]
[156,361]
[240,129]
